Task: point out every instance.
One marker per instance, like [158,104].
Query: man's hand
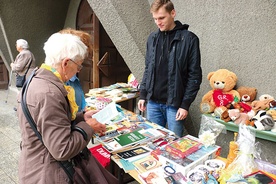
[141,105]
[181,114]
[97,126]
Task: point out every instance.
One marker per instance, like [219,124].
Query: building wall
[237,35]
[33,21]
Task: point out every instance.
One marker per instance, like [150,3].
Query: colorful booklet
[183,146]
[147,163]
[134,154]
[130,138]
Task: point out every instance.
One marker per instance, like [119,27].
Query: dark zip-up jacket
[184,70]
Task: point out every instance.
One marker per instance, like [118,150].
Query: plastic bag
[244,164]
[209,131]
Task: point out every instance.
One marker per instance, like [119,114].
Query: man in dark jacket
[173,74]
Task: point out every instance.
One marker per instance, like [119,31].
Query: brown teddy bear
[248,94]
[222,82]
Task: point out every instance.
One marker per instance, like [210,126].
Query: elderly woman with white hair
[52,106]
[25,60]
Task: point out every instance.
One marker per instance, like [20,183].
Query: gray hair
[60,46]
[22,43]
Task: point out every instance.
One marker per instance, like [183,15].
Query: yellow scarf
[70,90]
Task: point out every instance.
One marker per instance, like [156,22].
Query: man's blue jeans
[162,114]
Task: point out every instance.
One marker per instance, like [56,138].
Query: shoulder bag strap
[65,165]
[28,67]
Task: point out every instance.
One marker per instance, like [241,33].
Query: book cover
[145,125]
[112,145]
[151,134]
[108,135]
[129,138]
[155,176]
[146,163]
[134,154]
[135,118]
[111,132]
[183,146]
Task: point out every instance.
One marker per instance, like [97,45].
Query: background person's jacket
[184,70]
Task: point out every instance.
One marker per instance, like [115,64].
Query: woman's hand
[97,126]
[88,114]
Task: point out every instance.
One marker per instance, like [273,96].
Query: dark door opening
[112,67]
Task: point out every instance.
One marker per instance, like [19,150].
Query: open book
[108,113]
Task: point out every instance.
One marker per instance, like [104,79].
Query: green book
[130,138]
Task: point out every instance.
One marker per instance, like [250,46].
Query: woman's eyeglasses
[79,66]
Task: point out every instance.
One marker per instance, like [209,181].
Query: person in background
[173,74]
[75,81]
[23,59]
[79,94]
[52,106]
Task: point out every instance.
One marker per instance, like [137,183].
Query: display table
[118,166]
[119,93]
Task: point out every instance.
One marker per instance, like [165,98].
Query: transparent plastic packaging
[244,164]
[209,131]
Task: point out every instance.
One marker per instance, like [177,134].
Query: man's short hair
[157,4]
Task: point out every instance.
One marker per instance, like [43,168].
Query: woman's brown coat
[51,112]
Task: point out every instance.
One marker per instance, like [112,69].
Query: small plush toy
[247,94]
[272,112]
[260,105]
[222,82]
[272,104]
[264,121]
[225,116]
[265,97]
[238,117]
